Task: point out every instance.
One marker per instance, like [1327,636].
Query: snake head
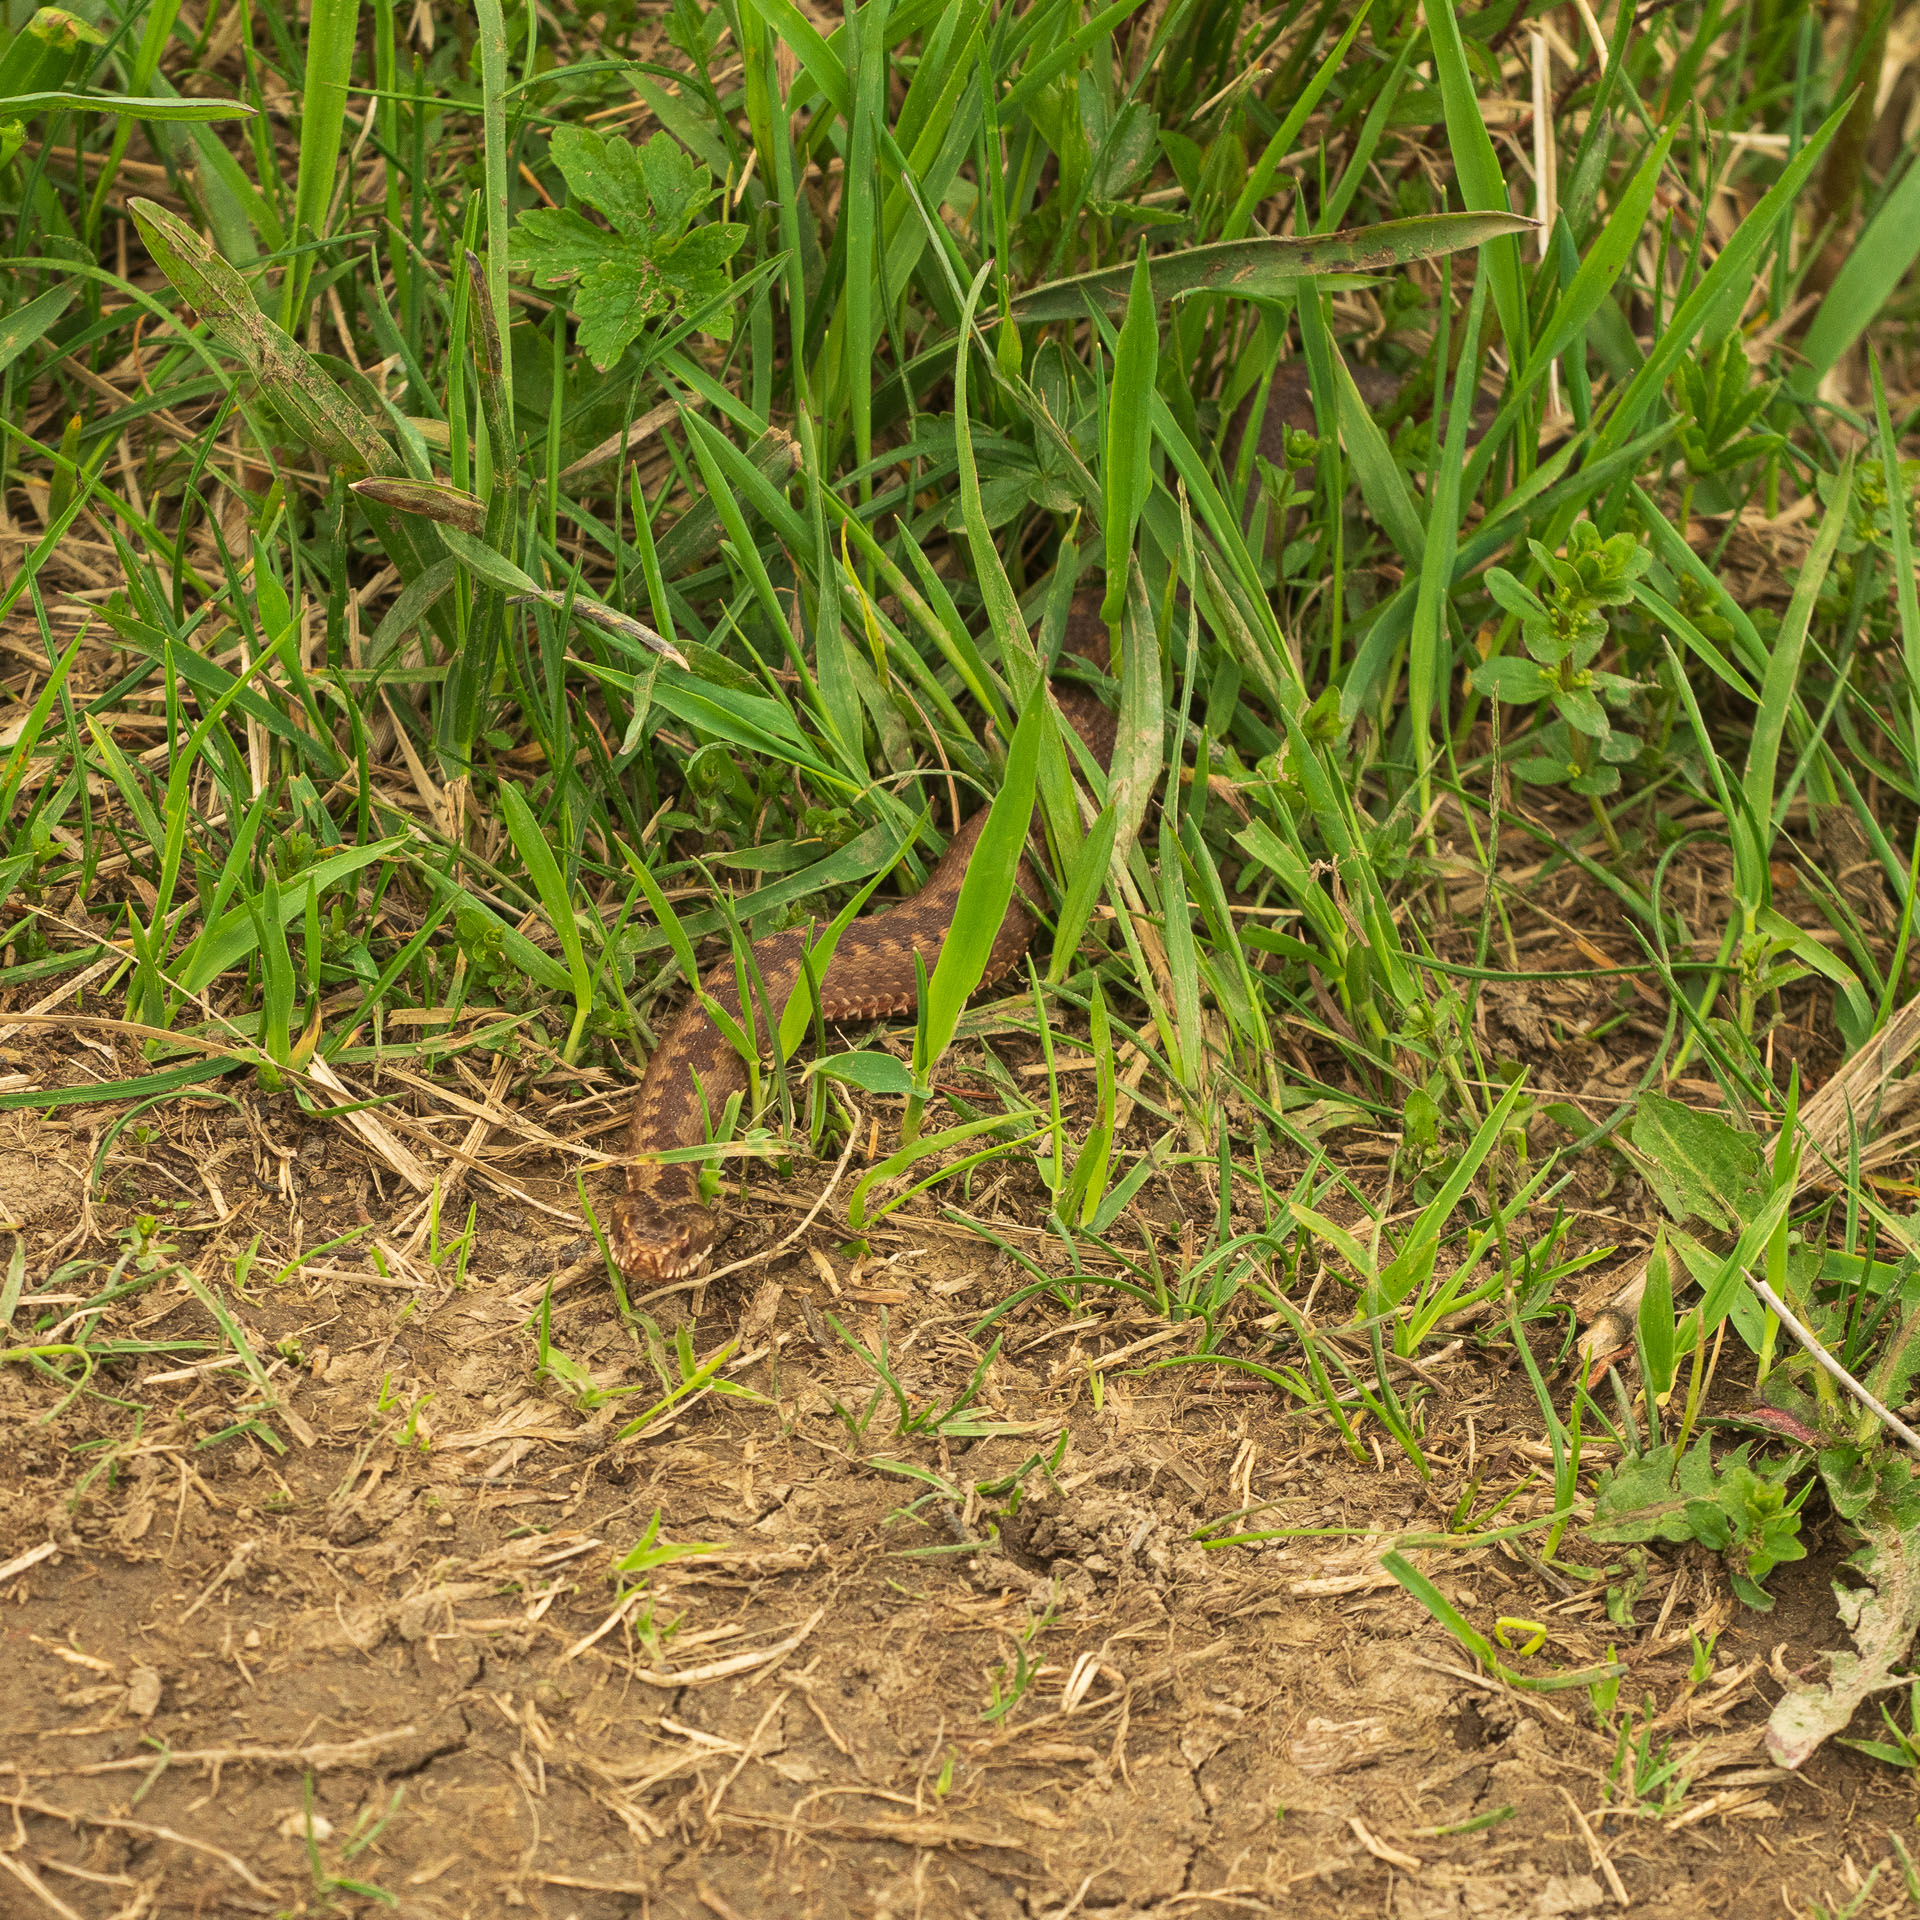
[655,1241]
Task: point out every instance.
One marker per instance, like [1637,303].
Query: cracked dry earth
[389,1668]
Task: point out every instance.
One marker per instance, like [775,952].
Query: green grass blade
[1731,270]
[332,32]
[30,321]
[491,34]
[129,106]
[1783,669]
[544,870]
[1906,599]
[1875,265]
[1478,169]
[988,884]
[1084,881]
[1018,660]
[1129,436]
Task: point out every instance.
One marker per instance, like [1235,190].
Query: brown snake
[659,1228]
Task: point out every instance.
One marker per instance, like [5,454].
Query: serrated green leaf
[646,265]
[1701,1168]
[557,245]
[604,171]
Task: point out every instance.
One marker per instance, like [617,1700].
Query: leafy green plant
[1010,1681]
[954,1421]
[1720,403]
[1647,1776]
[1733,1506]
[1563,633]
[327,1881]
[652,1551]
[1407,1285]
[650,262]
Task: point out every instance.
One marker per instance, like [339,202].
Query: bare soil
[390,1667]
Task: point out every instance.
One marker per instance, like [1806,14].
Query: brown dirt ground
[403,1630]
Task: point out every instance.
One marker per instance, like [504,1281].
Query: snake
[659,1229]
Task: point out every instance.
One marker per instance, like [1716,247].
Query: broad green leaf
[646,265]
[1656,1321]
[1701,1168]
[27,323]
[880,1073]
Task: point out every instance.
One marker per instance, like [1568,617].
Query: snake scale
[659,1228]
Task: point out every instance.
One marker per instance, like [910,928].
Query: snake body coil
[659,1228]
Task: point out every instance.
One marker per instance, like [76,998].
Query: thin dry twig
[37,1887]
[1609,1871]
[319,1757]
[1823,1359]
[119,1823]
[31,1558]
